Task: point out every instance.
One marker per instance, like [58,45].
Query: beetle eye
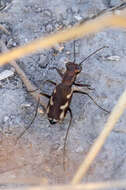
[78,69]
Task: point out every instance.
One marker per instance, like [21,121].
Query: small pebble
[79,149]
[49,28]
[68,52]
[42,61]
[113,58]
[6,119]
[27,105]
[20,20]
[47,13]
[11,43]
[78,17]
[38,10]
[59,27]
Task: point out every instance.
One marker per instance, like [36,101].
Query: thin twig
[33,119]
[26,81]
[4,30]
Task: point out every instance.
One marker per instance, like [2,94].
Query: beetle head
[72,67]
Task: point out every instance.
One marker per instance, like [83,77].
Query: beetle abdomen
[59,103]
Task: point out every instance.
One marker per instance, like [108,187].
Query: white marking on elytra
[54,91]
[64,106]
[47,111]
[51,101]
[53,119]
[69,95]
[61,115]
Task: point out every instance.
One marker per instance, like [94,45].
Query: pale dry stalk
[24,78]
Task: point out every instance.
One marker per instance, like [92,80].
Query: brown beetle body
[58,103]
[60,99]
[62,94]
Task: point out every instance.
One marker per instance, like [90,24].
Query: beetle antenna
[93,54]
[36,111]
[74,52]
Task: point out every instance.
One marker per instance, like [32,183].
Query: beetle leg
[65,140]
[41,93]
[50,81]
[77,91]
[36,111]
[84,85]
[44,94]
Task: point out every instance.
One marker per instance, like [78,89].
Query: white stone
[78,17]
[6,73]
[113,58]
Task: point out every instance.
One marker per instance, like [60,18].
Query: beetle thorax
[72,70]
[69,78]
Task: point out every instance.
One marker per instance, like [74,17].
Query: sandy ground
[39,152]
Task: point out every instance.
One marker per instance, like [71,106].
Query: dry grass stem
[86,186]
[92,26]
[113,118]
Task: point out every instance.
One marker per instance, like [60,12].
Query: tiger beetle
[59,101]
